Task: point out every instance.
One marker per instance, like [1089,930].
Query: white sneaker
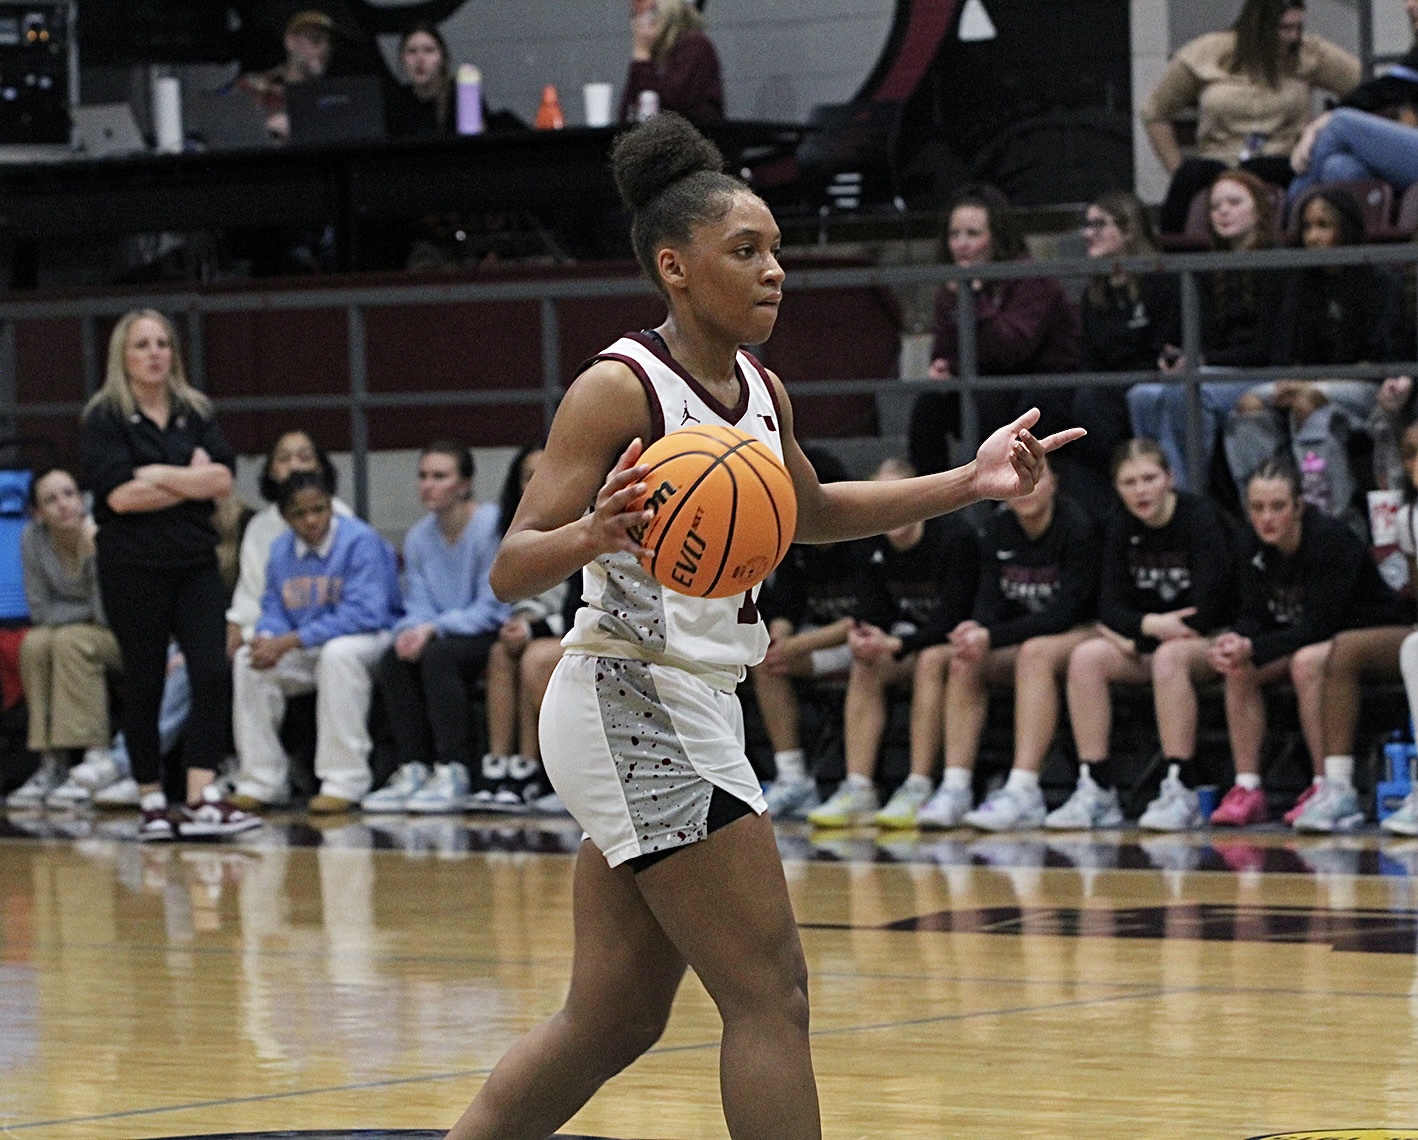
[394,795]
[1404,821]
[1333,807]
[31,794]
[792,798]
[1008,809]
[1090,806]
[124,793]
[446,791]
[94,772]
[899,814]
[946,809]
[849,804]
[1176,808]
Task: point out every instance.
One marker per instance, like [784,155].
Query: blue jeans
[1356,144]
[1159,412]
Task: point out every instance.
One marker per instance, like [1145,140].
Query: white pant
[339,673]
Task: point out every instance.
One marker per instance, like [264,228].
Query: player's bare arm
[574,509]
[1007,464]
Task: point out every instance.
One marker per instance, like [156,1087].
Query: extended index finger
[1059,438]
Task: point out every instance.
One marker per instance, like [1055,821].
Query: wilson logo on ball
[724,511]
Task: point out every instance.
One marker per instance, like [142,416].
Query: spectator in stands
[1022,326]
[807,605]
[1252,88]
[292,451]
[1369,135]
[155,460]
[68,653]
[1167,571]
[917,584]
[1238,321]
[1394,410]
[671,57]
[1128,319]
[1341,314]
[518,669]
[441,644]
[423,105]
[1303,578]
[1038,585]
[308,41]
[1379,653]
[332,596]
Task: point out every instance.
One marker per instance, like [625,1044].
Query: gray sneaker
[395,794]
[1009,809]
[32,793]
[446,791]
[945,810]
[1333,807]
[1090,806]
[1176,808]
[850,804]
[1404,821]
[792,798]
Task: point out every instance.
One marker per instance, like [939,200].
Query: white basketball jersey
[627,612]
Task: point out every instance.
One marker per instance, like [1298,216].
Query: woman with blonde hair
[672,58]
[156,461]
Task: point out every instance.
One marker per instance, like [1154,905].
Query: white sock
[1248,780]
[152,801]
[1022,780]
[857,780]
[790,764]
[1339,770]
[958,779]
[919,782]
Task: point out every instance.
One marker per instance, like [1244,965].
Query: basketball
[725,511]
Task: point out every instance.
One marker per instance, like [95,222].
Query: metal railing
[356,301]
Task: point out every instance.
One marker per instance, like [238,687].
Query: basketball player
[641,732]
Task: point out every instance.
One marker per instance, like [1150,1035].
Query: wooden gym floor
[360,978]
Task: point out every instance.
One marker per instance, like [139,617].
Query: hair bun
[652,157]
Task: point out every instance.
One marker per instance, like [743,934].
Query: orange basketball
[725,511]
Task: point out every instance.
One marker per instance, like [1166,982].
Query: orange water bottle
[549,116]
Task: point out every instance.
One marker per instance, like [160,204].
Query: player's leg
[724,903]
[623,980]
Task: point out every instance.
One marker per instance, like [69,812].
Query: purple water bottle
[470,100]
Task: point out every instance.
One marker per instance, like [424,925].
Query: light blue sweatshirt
[350,584]
[448,585]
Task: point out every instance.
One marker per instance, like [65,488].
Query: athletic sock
[1022,780]
[1339,770]
[958,779]
[1248,780]
[790,764]
[1180,768]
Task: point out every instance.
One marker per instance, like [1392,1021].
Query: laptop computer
[346,108]
[106,130]
[224,120]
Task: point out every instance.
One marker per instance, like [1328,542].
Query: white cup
[598,104]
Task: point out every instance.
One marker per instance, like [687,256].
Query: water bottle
[470,100]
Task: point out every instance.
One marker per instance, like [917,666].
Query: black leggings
[148,606]
[428,701]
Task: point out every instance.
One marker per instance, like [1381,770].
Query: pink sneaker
[1299,806]
[1240,807]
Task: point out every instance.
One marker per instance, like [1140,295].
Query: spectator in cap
[309,41]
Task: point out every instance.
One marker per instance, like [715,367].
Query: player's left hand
[1008,464]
